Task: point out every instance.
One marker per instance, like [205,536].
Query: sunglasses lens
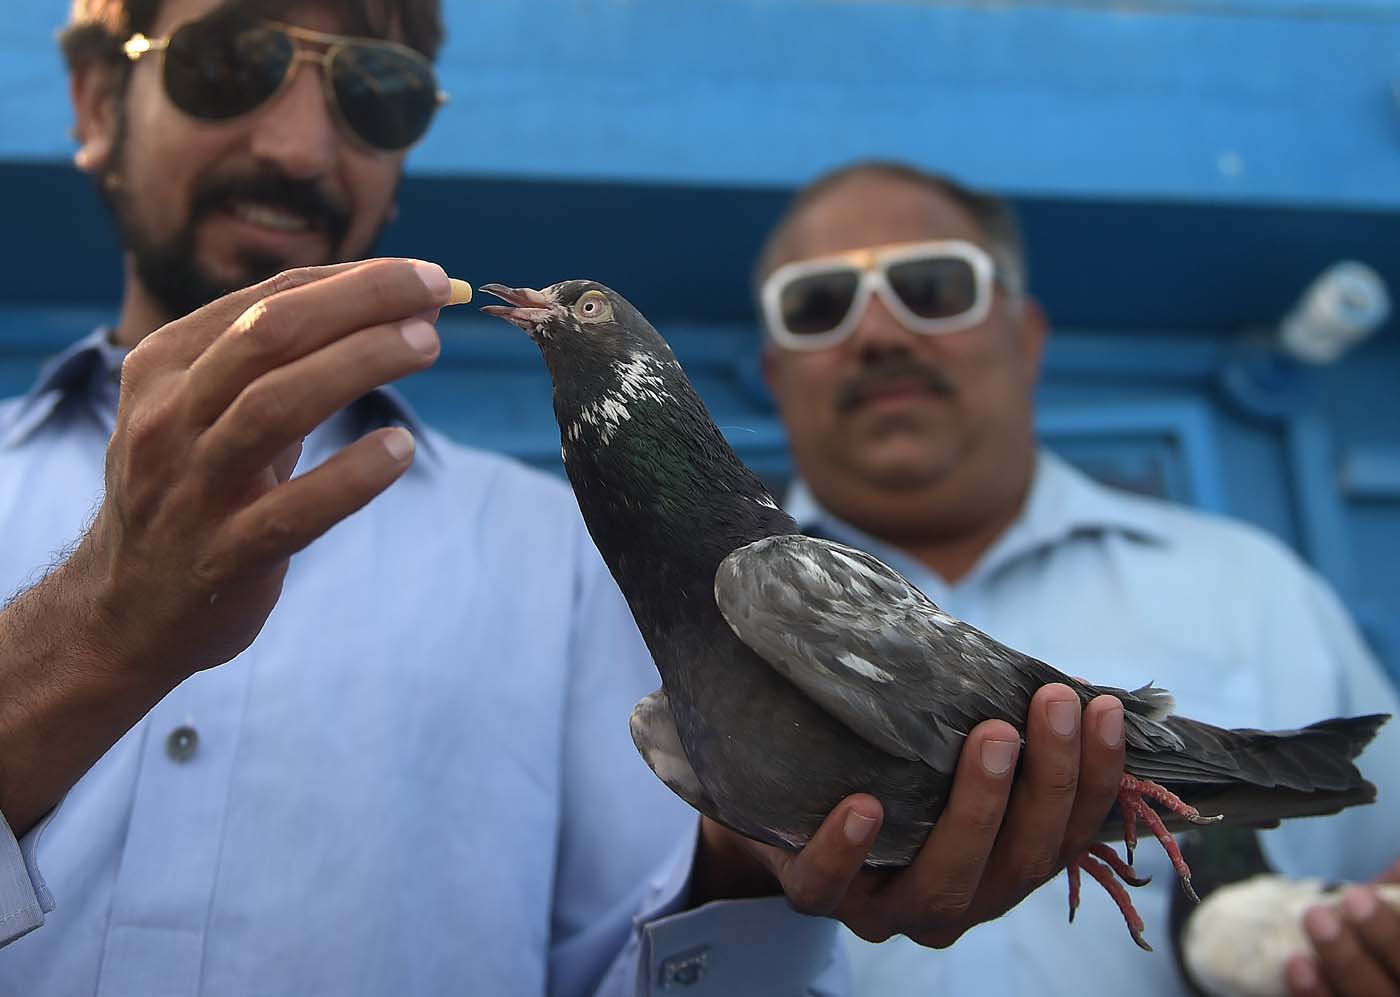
[386,95]
[818,302]
[936,287]
[216,70]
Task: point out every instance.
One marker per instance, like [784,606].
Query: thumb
[816,878]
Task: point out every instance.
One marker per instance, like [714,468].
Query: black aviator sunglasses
[384,93]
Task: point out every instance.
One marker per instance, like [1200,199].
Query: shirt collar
[92,366]
[69,374]
[1063,502]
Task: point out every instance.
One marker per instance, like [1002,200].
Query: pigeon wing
[872,649]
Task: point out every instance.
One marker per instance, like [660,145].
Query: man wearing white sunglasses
[903,352]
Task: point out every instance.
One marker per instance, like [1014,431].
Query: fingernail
[1111,728]
[1301,974]
[858,827]
[998,756]
[419,335]
[1063,716]
[434,278]
[399,443]
[1323,924]
[1358,904]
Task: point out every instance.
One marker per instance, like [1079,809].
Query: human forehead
[318,16]
[865,212]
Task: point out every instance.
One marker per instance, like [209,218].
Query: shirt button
[181,743]
[685,969]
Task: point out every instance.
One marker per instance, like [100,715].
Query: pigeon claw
[1133,794]
[1105,875]
[1129,832]
[1072,871]
[1103,863]
[1124,870]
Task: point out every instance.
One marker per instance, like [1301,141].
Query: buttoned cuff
[24,897]
[733,948]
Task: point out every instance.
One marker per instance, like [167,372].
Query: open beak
[526,307]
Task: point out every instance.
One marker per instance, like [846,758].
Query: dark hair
[992,214]
[97,29]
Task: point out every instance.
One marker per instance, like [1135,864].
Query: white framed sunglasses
[932,287]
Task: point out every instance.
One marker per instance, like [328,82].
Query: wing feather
[876,653]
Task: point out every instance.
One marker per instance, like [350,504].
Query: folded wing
[875,652]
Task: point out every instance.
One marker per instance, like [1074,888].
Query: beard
[169,267]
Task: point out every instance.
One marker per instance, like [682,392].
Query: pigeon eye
[593,307]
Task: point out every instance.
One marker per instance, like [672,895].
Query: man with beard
[419,777]
[903,352]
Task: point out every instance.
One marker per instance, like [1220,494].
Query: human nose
[878,331]
[296,132]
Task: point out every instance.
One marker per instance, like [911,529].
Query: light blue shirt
[1124,590]
[418,780]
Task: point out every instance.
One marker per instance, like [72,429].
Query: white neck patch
[639,379]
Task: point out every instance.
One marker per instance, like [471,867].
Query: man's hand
[186,556]
[1003,833]
[1356,947]
[200,517]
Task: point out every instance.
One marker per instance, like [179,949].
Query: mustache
[270,186]
[882,374]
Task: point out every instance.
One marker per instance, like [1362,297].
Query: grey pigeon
[796,671]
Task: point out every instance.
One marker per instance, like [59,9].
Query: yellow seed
[461,292]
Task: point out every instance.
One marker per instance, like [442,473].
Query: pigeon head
[608,364]
[617,385]
[610,367]
[575,318]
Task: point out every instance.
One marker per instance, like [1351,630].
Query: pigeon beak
[526,307]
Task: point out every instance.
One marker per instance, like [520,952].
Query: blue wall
[1182,169]
[1279,101]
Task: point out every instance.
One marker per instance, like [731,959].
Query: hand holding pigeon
[985,854]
